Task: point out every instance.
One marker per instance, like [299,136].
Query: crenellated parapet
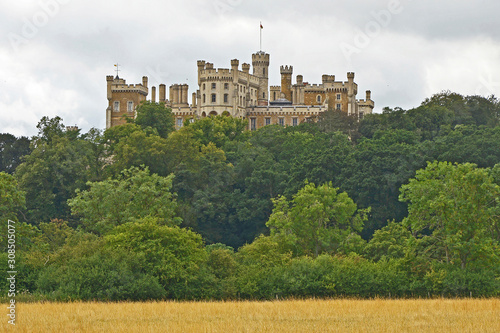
[286,69]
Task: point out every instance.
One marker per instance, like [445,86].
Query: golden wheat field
[437,315]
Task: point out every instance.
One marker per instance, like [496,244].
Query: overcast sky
[55,54]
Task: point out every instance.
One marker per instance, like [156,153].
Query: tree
[156,116]
[136,194]
[11,198]
[339,121]
[51,174]
[170,253]
[458,205]
[317,220]
[12,149]
[218,130]
[390,242]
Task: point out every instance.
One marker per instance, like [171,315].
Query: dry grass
[440,315]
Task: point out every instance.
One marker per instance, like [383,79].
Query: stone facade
[237,93]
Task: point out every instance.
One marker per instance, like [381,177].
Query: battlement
[328,78]
[275,87]
[286,69]
[350,75]
[201,64]
[235,63]
[120,85]
[260,57]
[245,67]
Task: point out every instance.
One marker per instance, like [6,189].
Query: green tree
[317,220]
[136,194]
[171,254]
[218,130]
[392,241]
[156,116]
[51,174]
[459,206]
[12,199]
[12,149]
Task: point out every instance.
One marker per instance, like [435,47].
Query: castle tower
[260,63]
[286,81]
[123,99]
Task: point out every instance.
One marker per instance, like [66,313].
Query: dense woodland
[400,204]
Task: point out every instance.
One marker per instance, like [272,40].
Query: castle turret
[145,81]
[260,63]
[245,68]
[201,67]
[286,81]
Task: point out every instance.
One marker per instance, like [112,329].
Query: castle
[238,93]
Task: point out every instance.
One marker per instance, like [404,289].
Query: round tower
[260,63]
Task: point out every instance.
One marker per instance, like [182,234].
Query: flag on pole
[261,26]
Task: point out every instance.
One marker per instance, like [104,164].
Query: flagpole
[260,28]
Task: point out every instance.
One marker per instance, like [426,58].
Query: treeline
[403,203]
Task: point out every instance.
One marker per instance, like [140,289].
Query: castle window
[274,95]
[214,85]
[281,121]
[268,121]
[226,98]
[203,98]
[295,121]
[264,71]
[203,86]
[338,97]
[244,101]
[339,106]
[253,124]
[179,122]
[116,106]
[318,98]
[226,86]
[214,98]
[263,95]
[130,106]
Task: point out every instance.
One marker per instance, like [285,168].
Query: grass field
[439,315]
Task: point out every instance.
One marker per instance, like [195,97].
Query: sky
[55,54]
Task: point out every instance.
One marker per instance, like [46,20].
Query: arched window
[318,98]
[263,95]
[264,71]
[203,98]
